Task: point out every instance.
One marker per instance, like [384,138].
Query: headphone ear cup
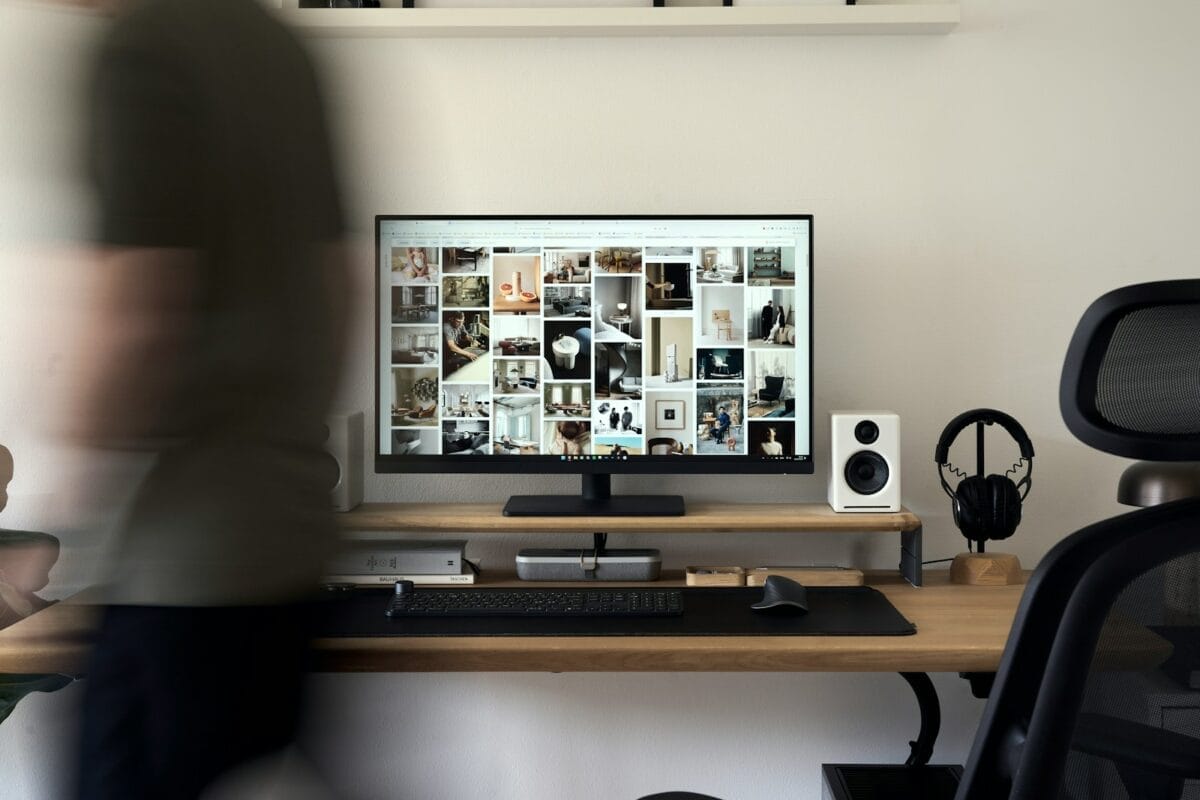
[1006,506]
[974,504]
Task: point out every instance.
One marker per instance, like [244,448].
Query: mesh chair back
[1146,671]
[1025,734]
[1131,382]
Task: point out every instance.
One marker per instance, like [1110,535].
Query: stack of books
[376,562]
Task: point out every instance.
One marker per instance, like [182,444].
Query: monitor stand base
[597,500]
[622,505]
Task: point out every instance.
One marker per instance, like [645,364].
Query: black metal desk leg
[931,718]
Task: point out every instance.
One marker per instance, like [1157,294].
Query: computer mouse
[782,596]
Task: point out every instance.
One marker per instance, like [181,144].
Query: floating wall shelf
[800,20]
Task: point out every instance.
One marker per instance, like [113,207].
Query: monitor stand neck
[596,500]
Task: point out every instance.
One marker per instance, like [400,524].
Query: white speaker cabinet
[345,444]
[864,474]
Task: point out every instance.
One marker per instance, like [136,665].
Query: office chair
[1129,387]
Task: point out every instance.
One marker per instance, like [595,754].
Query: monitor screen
[613,344]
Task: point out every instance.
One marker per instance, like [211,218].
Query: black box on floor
[889,782]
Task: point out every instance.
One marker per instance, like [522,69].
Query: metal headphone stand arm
[979,467]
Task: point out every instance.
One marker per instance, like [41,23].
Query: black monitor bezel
[386,463]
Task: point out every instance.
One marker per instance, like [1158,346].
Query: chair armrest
[1134,743]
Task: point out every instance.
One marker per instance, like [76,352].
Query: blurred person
[220,334]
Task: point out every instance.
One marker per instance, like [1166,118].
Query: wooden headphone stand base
[986,569]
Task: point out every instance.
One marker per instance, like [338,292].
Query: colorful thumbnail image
[568,266]
[618,367]
[414,265]
[720,363]
[516,284]
[670,358]
[618,446]
[619,417]
[415,396]
[466,401]
[772,317]
[670,429]
[568,400]
[415,344]
[567,437]
[772,384]
[466,437]
[414,304]
[414,442]
[465,260]
[618,309]
[466,291]
[669,285]
[567,301]
[720,429]
[772,438]
[722,265]
[516,336]
[618,260]
[516,376]
[569,349]
[772,266]
[465,337]
[516,426]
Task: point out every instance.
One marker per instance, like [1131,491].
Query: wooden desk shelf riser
[484,518]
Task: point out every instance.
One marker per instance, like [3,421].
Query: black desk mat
[833,611]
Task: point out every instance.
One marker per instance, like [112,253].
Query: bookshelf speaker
[344,443]
[864,472]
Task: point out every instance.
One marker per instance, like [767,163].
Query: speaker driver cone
[866,472]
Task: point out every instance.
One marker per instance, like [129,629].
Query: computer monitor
[594,345]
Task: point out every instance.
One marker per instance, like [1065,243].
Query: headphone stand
[980,568]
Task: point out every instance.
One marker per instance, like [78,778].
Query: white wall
[972,193]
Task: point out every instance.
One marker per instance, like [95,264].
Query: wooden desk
[959,629]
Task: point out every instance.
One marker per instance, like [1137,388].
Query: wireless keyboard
[426,602]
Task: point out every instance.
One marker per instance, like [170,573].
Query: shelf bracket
[910,556]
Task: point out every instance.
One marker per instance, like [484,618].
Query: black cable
[937,561]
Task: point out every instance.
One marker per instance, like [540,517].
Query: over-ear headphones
[985,507]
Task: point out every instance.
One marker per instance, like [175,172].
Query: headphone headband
[954,427]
